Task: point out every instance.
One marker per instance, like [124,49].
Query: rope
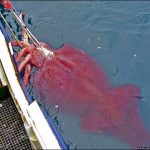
[34,40]
[10,29]
[23,26]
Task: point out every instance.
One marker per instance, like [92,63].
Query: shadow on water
[116,34]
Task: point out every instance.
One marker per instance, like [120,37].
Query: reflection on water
[116,34]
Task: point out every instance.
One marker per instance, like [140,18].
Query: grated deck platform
[12,131]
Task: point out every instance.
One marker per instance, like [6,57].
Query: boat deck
[12,131]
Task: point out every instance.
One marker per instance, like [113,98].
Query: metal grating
[12,131]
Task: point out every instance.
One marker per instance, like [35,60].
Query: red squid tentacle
[20,43]
[27,74]
[22,53]
[24,62]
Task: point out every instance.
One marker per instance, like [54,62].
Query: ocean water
[115,33]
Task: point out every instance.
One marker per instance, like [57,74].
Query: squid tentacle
[27,74]
[20,43]
[24,62]
[22,53]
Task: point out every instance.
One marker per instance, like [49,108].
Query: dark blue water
[116,34]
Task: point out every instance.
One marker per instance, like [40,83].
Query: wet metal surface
[12,131]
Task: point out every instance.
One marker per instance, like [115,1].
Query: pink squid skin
[74,81]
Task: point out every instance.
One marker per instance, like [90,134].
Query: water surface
[115,33]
